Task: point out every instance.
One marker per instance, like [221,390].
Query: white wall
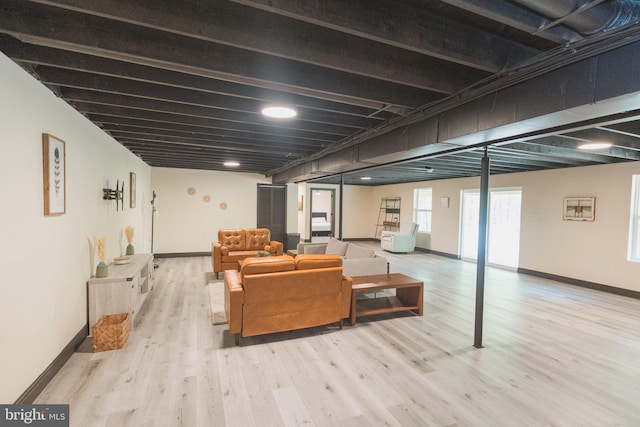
[591,251]
[45,260]
[360,212]
[187,223]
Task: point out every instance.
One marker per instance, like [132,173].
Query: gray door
[272,210]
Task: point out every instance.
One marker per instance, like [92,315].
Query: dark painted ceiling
[181,83]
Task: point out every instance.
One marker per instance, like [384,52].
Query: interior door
[272,210]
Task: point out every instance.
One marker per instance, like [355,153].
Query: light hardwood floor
[554,355]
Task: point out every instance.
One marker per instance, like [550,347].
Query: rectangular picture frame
[579,209]
[54,173]
[132,190]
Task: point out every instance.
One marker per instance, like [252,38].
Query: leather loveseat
[282,293]
[234,245]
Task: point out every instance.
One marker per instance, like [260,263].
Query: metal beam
[114,123]
[415,26]
[516,17]
[293,146]
[234,25]
[24,53]
[224,120]
[112,86]
[54,27]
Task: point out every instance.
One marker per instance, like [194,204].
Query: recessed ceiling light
[231,164]
[365,178]
[595,146]
[279,112]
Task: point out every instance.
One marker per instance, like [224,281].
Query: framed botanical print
[54,175]
[132,190]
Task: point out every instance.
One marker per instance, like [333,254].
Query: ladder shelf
[388,215]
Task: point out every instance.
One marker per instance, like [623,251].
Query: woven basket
[110,332]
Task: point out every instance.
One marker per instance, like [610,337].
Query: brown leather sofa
[234,245]
[282,293]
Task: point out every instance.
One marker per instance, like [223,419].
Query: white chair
[400,241]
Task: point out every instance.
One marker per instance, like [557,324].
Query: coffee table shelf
[381,305]
[409,295]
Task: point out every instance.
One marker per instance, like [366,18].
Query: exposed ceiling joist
[380,88]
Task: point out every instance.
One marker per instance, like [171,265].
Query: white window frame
[419,209]
[634,222]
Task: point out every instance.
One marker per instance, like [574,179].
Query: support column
[482,248]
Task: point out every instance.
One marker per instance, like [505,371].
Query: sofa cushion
[336,246]
[234,240]
[311,261]
[355,251]
[270,264]
[256,239]
[315,249]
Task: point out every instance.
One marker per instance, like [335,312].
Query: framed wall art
[579,209]
[54,175]
[132,190]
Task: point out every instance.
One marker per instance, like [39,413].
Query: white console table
[122,291]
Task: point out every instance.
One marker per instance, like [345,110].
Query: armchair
[400,241]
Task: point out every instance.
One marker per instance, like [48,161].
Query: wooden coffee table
[408,297]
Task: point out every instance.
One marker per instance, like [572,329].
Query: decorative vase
[102,270]
[130,250]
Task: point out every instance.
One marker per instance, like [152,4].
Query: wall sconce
[117,194]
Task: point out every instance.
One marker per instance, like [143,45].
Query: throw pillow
[355,251]
[336,246]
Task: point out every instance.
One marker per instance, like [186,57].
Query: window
[634,229]
[422,208]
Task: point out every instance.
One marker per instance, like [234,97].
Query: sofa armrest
[216,256]
[345,306]
[403,239]
[275,248]
[233,300]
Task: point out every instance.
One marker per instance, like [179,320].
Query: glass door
[503,238]
[503,244]
[469,230]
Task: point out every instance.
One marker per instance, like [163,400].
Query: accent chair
[401,241]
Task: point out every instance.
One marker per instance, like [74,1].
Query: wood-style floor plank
[554,355]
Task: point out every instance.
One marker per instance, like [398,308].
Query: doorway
[322,219]
[503,234]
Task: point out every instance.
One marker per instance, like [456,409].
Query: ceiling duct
[586,19]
